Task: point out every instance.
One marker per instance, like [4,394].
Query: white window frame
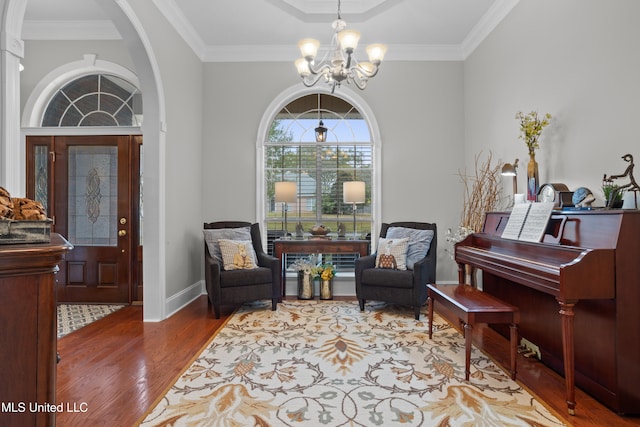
[283,99]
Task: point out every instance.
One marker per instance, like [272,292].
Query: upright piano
[579,296]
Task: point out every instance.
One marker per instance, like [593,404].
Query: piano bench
[472,306]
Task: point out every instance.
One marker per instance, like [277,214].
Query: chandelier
[338,64]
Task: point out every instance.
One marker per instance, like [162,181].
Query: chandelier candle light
[339,63]
[285,194]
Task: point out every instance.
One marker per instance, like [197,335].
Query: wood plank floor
[119,366]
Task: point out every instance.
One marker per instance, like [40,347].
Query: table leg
[468,332]
[430,314]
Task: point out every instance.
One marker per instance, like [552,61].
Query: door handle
[122,233]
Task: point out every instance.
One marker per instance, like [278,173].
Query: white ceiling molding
[105,30]
[486,25]
[324,11]
[70,30]
[287,53]
[181,24]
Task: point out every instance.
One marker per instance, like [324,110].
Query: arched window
[318,167]
[95,100]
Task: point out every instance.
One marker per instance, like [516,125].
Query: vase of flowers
[305,268]
[325,273]
[531,127]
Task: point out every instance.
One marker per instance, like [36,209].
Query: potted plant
[612,195]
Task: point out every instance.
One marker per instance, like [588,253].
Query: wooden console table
[29,332]
[316,246]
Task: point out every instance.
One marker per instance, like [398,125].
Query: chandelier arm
[311,79]
[360,82]
[361,70]
[320,70]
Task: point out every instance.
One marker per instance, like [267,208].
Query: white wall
[576,59]
[41,57]
[419,109]
[181,76]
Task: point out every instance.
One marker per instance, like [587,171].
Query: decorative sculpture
[630,186]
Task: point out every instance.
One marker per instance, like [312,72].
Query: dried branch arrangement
[481,192]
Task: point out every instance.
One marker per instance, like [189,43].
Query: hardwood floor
[114,370]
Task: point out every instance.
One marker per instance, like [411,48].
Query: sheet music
[536,223]
[528,221]
[516,221]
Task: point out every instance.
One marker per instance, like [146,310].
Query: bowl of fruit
[319,231]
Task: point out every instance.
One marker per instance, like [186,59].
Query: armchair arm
[424,271]
[362,264]
[265,260]
[212,270]
[274,264]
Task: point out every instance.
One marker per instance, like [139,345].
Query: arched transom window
[95,100]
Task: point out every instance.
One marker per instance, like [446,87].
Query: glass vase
[305,285]
[326,289]
[533,182]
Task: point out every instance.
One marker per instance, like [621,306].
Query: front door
[88,193]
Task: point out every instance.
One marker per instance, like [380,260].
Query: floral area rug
[325,363]
[72,317]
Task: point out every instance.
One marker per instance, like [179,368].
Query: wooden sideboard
[29,331]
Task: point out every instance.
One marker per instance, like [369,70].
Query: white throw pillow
[392,247]
[237,254]
[419,242]
[212,235]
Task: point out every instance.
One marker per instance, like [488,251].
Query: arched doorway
[137,42]
[90,182]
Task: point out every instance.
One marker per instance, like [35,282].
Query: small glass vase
[326,289]
[305,285]
[533,182]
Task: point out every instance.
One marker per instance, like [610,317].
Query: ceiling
[259,30]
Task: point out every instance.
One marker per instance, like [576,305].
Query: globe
[580,194]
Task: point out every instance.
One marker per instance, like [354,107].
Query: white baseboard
[176,302]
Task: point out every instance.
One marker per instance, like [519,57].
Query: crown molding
[489,21]
[181,24]
[70,30]
[105,30]
[288,53]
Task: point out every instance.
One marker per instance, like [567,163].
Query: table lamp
[353,192]
[286,192]
[509,169]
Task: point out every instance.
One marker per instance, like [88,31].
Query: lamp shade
[303,67]
[309,48]
[286,192]
[509,169]
[376,52]
[353,191]
[349,39]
